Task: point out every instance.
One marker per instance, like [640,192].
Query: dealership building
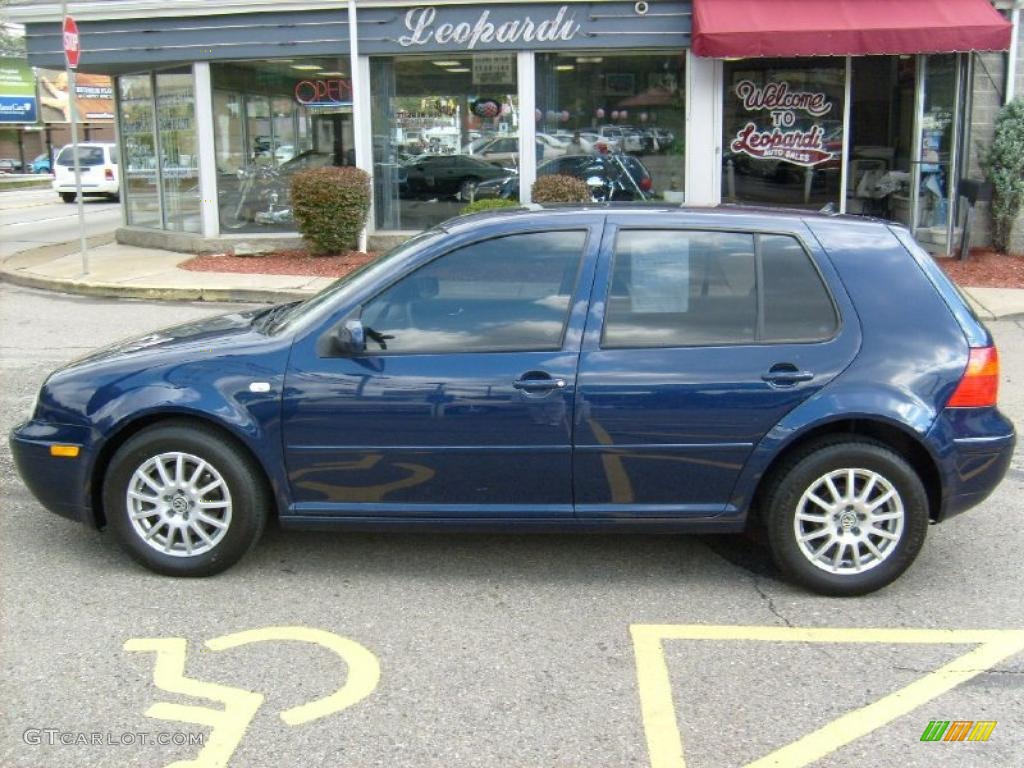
[869,106]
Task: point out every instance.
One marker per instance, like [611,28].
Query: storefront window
[138,136]
[444,127]
[783,131]
[179,157]
[271,120]
[628,108]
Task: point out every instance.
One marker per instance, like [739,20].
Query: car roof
[716,216]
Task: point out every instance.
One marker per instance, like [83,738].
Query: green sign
[17,92]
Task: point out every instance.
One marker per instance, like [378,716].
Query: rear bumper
[89,187]
[60,484]
[977,446]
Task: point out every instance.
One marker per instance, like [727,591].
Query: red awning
[759,28]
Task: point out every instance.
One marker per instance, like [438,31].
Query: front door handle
[538,382]
[786,374]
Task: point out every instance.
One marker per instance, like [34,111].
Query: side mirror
[344,339]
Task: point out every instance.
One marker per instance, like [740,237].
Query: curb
[111,291]
[116,291]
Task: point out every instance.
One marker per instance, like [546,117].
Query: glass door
[937,137]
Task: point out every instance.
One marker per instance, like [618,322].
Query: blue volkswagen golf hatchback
[588,368]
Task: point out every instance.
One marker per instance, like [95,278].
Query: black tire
[801,473]
[67,197]
[250,500]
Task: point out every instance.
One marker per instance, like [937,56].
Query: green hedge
[330,206]
[489,204]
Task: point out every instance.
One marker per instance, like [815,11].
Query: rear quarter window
[797,306]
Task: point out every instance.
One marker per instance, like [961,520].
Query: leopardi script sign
[784,139]
[425,28]
[481,27]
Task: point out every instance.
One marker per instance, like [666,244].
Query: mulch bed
[985,269]
[281,263]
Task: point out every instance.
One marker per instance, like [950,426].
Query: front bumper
[62,485]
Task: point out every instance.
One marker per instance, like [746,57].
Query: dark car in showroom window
[579,368]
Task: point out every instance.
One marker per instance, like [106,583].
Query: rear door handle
[786,375]
[539,384]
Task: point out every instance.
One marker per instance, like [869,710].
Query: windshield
[293,317]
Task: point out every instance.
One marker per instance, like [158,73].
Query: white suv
[100,173]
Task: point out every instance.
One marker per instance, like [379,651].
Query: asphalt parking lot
[486,650]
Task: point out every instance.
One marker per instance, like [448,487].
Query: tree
[12,38]
[1003,163]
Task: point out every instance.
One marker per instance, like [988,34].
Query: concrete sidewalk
[126,271]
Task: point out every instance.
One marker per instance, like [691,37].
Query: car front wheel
[184,501]
[846,516]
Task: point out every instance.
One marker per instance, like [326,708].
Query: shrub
[489,204]
[330,207]
[560,189]
[1003,163]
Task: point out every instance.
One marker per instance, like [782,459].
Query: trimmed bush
[1003,163]
[489,204]
[330,207]
[560,189]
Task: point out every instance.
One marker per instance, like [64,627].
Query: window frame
[758,340]
[357,312]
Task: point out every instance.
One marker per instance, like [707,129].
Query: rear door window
[680,288]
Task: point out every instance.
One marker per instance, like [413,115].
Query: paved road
[492,650]
[33,217]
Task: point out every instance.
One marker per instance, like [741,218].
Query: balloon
[623,114]
[564,117]
[600,113]
[537,115]
[643,117]
[615,114]
[506,109]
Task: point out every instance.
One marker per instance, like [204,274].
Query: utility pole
[73,117]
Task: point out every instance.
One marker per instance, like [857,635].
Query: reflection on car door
[697,344]
[461,406]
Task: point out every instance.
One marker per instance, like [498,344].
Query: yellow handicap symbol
[665,744]
[229,723]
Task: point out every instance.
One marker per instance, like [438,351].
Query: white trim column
[362,127]
[209,209]
[844,167]
[526,66]
[703,158]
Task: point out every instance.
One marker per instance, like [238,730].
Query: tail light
[979,386]
[645,184]
[108,174]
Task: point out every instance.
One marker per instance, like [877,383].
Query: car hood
[208,332]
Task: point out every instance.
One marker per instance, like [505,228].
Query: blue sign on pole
[18,109]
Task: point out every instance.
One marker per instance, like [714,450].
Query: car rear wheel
[67,197]
[184,501]
[467,190]
[846,516]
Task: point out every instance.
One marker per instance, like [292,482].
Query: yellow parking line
[665,744]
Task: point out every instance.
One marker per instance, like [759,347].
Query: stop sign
[72,47]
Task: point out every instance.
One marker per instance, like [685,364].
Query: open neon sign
[324,93]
